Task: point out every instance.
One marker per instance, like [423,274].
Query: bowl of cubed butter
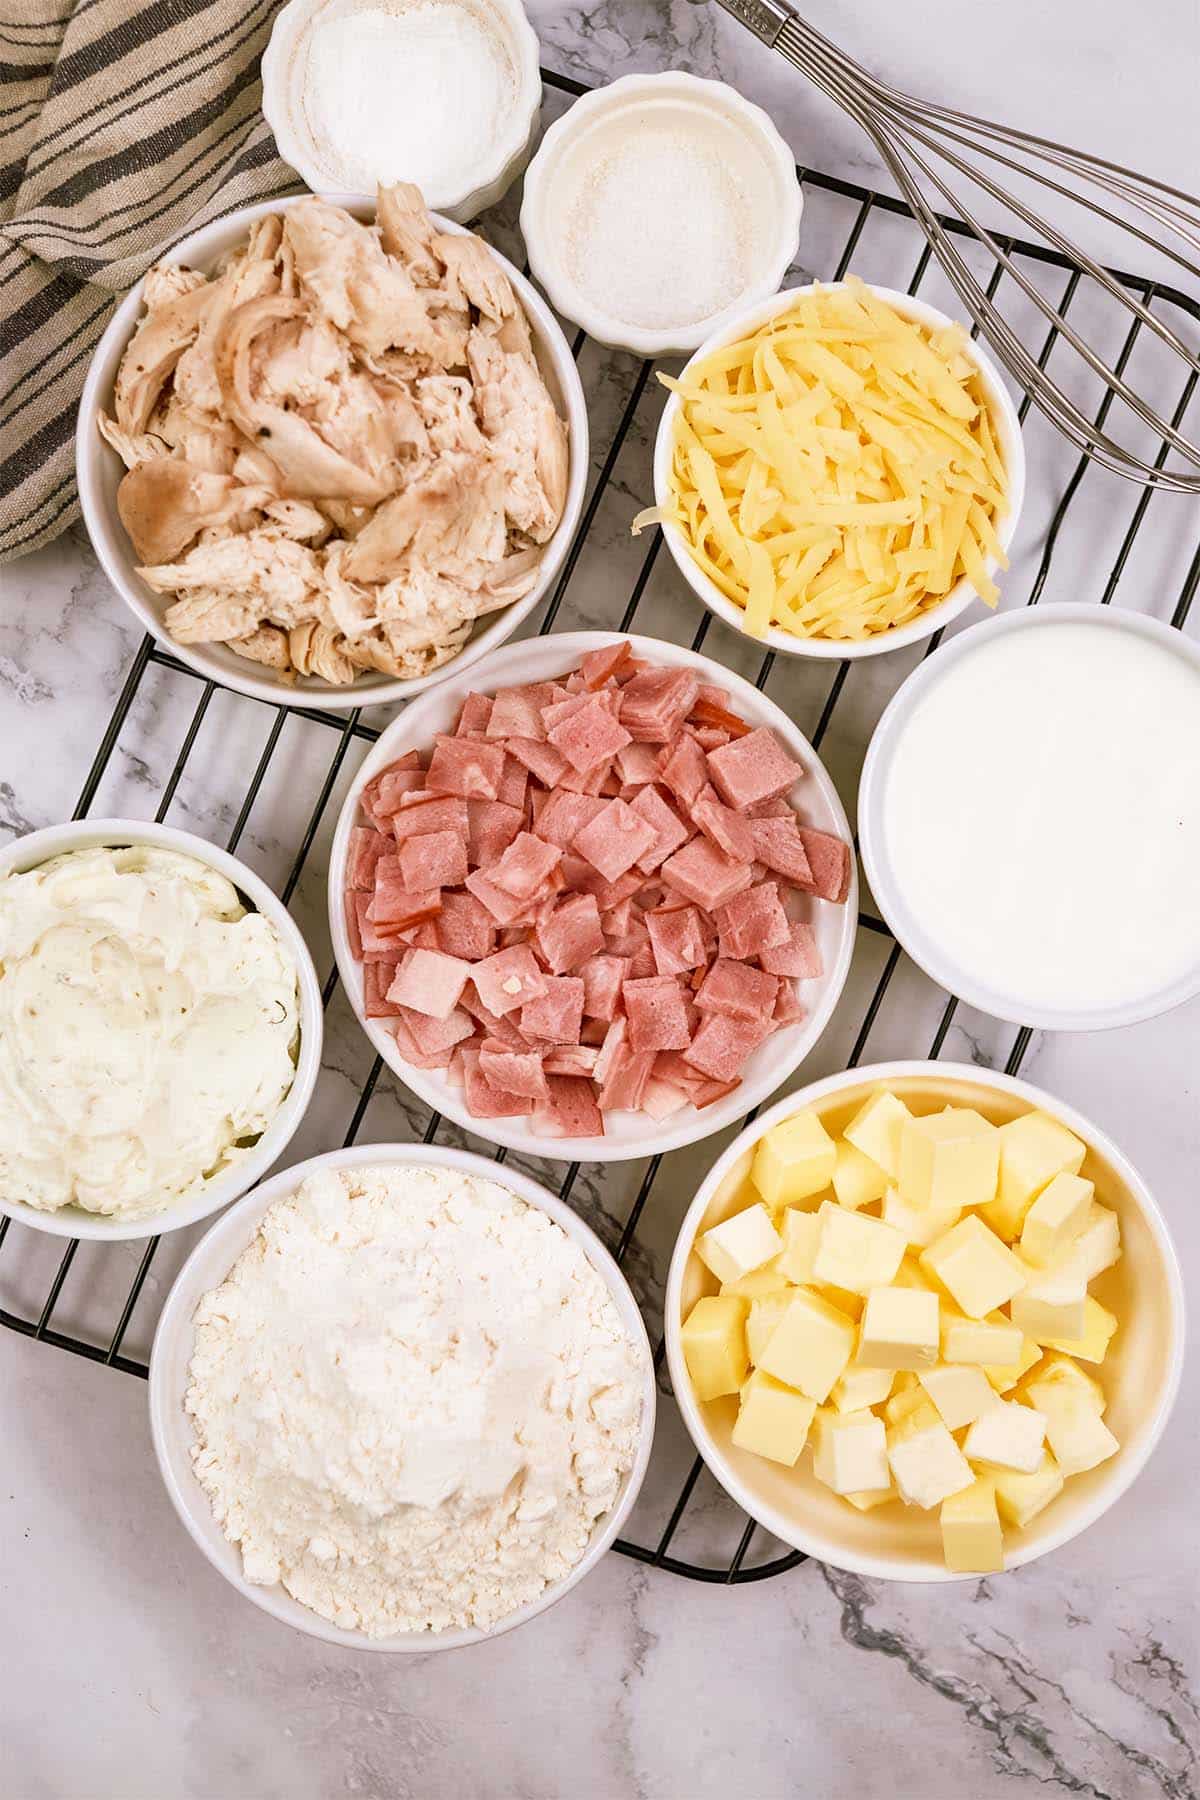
[924,1321]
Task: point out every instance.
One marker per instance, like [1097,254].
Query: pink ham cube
[557,1014]
[429,982]
[474,716]
[726,828]
[365,849]
[433,1036]
[778,844]
[656,702]
[508,979]
[598,667]
[526,865]
[677,940]
[540,758]
[589,736]
[615,839]
[752,768]
[512,1071]
[656,1014]
[638,764]
[829,858]
[602,977]
[564,814]
[429,812]
[752,921]
[465,927]
[737,990]
[471,768]
[485,1101]
[684,769]
[436,859]
[722,1044]
[704,874]
[570,1110]
[377,979]
[571,933]
[670,831]
[798,956]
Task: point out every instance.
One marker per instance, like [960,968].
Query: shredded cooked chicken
[340,450]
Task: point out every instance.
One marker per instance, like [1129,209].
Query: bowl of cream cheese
[160,1029]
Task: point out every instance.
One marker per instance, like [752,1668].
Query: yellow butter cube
[800,1232]
[857,1181]
[770,1279]
[972,1541]
[919,1224]
[1052,1304]
[899,1329]
[1020,1497]
[860,1387]
[810,1346]
[850,1451]
[1075,1431]
[975,1268]
[794,1161]
[910,1274]
[855,1251]
[1059,1372]
[739,1244]
[1033,1150]
[1007,1435]
[1004,1376]
[927,1465]
[773,1420]
[959,1391]
[714,1345]
[871,1498]
[909,1405]
[1091,1346]
[1096,1248]
[992,1341]
[1055,1217]
[949,1159]
[875,1130]
[765,1314]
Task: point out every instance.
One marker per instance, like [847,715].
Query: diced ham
[755,767]
[600,666]
[394,904]
[602,977]
[429,982]
[485,1101]
[474,716]
[556,1015]
[753,920]
[657,1020]
[491,828]
[722,1044]
[564,814]
[798,956]
[469,767]
[712,709]
[377,978]
[436,859]
[737,990]
[517,711]
[684,769]
[429,812]
[433,1036]
[508,979]
[570,1059]
[670,831]
[514,783]
[710,737]
[366,848]
[655,703]
[625,1080]
[616,919]
[778,844]
[512,1071]
[677,940]
[788,1010]
[638,764]
[591,735]
[412,1052]
[704,874]
[571,1109]
[384,796]
[594,781]
[465,928]
[829,859]
[526,865]
[539,757]
[727,829]
[571,933]
[615,839]
[660,1100]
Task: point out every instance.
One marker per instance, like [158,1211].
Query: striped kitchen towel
[124,124]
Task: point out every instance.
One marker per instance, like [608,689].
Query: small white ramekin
[742,130]
[209,1264]
[283,78]
[1141,1373]
[99,470]
[935,618]
[88,834]
[908,929]
[629,1134]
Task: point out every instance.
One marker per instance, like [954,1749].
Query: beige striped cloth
[124,124]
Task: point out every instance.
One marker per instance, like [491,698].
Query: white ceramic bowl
[283,80]
[629,1134]
[1140,1374]
[99,470]
[87,834]
[741,134]
[935,618]
[171,1428]
[906,926]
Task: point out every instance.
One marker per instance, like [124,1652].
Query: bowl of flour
[401,1399]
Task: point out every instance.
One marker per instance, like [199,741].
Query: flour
[406,93]
[413,1396]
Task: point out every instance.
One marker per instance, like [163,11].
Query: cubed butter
[992,1341]
[899,1329]
[1055,1217]
[794,1160]
[811,1344]
[1097,1247]
[714,1345]
[1005,1376]
[1033,1150]
[860,1387]
[800,1232]
[739,1244]
[765,1314]
[770,1279]
[1091,1346]
[1075,1431]
[910,1274]
[1019,1497]
[855,1251]
[1051,1304]
[850,1451]
[919,1224]
[1058,1372]
[909,1405]
[875,1130]
[960,1391]
[869,1499]
[773,1420]
[927,1465]
[1007,1435]
[975,1268]
[972,1541]
[949,1159]
[857,1180]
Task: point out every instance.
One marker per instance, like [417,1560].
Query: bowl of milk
[1029,817]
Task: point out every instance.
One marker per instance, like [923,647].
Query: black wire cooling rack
[842,222]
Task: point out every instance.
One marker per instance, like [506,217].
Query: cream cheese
[148,1029]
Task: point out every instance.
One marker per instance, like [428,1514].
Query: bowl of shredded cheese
[839,471]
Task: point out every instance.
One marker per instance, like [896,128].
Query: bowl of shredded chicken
[327,451]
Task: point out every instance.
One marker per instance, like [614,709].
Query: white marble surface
[131,1671]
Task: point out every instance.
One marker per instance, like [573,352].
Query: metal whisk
[920,142]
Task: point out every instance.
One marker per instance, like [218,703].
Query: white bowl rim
[231,1235]
[935,618]
[873,835]
[526,54]
[566,297]
[429,1084]
[882,1567]
[200,248]
[38,847]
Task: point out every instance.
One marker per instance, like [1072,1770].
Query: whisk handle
[765,18]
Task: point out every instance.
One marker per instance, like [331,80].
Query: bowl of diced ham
[595,900]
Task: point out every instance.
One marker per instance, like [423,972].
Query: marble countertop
[132,1671]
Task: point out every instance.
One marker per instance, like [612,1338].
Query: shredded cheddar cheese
[836,473]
